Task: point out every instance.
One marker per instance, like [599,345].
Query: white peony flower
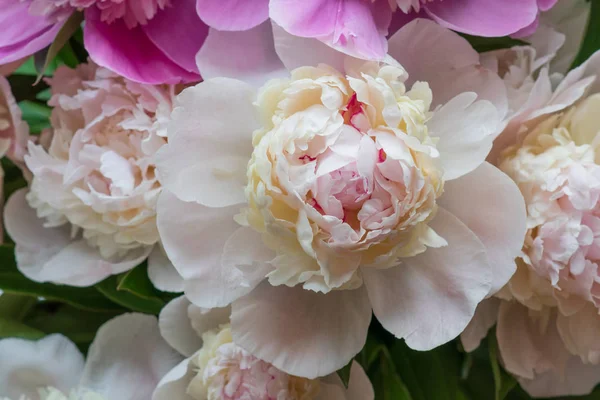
[339,190]
[549,313]
[125,362]
[218,369]
[92,199]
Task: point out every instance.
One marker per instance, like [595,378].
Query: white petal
[301,332]
[210,143]
[359,386]
[250,55]
[173,386]
[176,328]
[447,62]
[466,130]
[485,317]
[162,273]
[498,219]
[128,358]
[296,51]
[429,299]
[49,255]
[197,241]
[26,366]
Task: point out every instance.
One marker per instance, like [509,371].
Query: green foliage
[344,373]
[591,41]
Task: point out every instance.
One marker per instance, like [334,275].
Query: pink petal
[355,27]
[233,15]
[176,328]
[162,273]
[301,332]
[485,317]
[130,52]
[429,299]
[499,220]
[22,33]
[182,44]
[484,17]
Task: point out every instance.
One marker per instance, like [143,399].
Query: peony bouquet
[299,199]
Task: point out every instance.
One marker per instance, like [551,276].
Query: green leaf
[131,290]
[387,383]
[483,44]
[44,58]
[23,87]
[428,375]
[15,306]
[503,382]
[591,40]
[37,115]
[12,281]
[12,328]
[78,325]
[344,373]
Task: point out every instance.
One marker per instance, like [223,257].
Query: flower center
[227,372]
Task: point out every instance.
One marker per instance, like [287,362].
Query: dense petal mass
[429,299]
[292,328]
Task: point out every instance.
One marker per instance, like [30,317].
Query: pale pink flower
[126,360]
[549,312]
[90,208]
[14,132]
[336,190]
[218,369]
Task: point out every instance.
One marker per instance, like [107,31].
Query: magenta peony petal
[23,34]
[355,27]
[181,44]
[484,17]
[233,15]
[130,52]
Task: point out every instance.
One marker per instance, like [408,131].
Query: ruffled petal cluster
[94,187]
[219,369]
[336,191]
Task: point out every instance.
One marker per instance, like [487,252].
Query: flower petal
[355,27]
[447,62]
[233,15]
[499,221]
[359,386]
[182,44]
[203,245]
[128,358]
[27,366]
[485,317]
[175,383]
[49,254]
[466,130]
[248,56]
[210,143]
[130,52]
[162,273]
[302,333]
[484,17]
[176,328]
[429,299]
[22,33]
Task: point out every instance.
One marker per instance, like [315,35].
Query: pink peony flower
[337,190]
[126,360]
[218,369]
[14,132]
[90,208]
[132,38]
[549,312]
